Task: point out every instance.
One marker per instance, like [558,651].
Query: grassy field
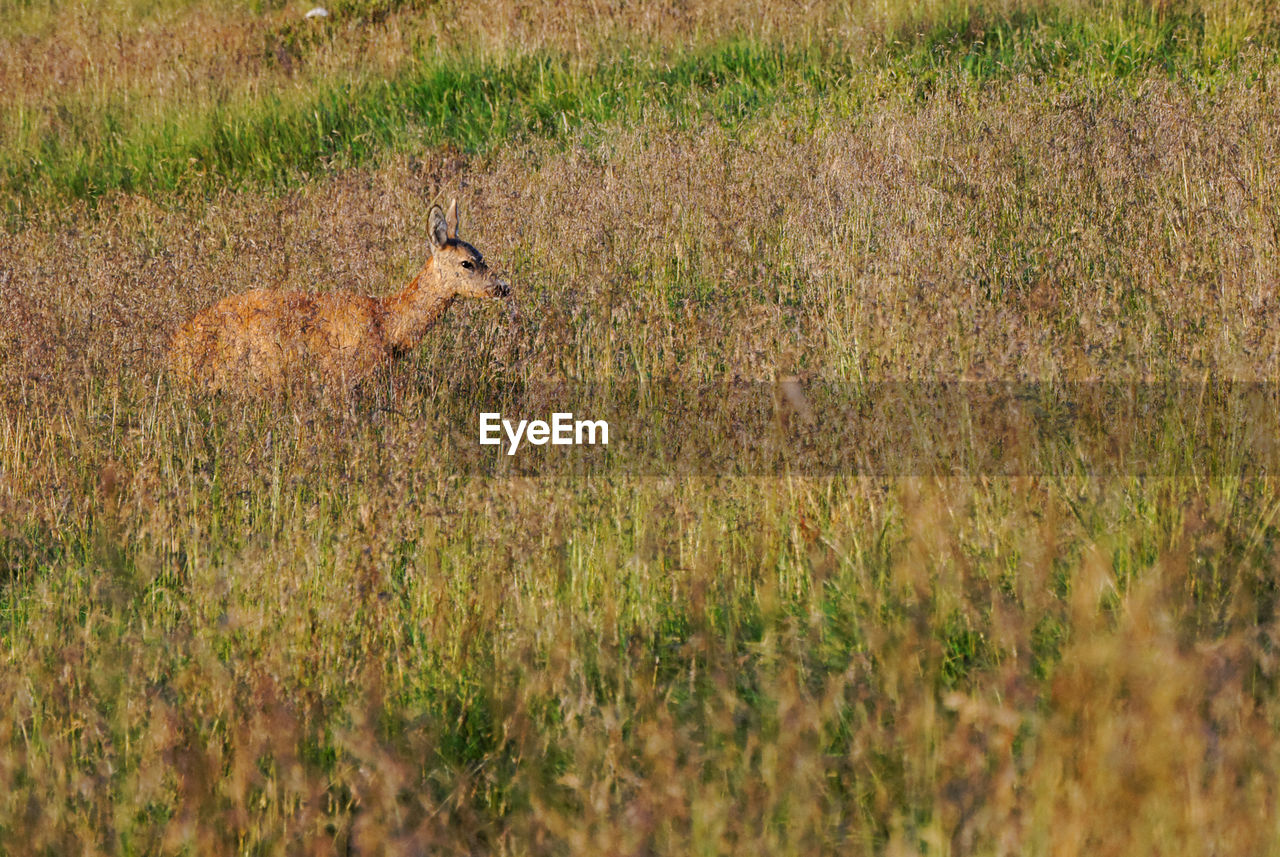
[328,622]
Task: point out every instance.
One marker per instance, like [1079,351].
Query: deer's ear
[452,219]
[436,223]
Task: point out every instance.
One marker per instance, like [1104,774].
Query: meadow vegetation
[320,622]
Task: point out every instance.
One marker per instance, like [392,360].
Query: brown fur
[261,340]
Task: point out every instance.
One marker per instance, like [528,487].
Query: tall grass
[310,623]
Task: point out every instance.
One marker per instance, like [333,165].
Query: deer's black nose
[502,289]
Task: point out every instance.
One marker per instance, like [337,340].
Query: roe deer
[261,339]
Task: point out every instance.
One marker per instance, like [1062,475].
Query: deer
[261,340]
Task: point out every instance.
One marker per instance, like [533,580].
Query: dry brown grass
[990,236]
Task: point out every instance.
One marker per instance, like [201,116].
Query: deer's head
[460,266]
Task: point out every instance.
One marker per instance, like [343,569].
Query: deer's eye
[468,265]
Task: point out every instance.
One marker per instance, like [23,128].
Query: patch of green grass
[1113,43]
[466,103]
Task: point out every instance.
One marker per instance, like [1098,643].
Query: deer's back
[265,339]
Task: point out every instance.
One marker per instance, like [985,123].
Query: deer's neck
[415,308]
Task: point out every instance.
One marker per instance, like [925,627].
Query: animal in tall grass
[261,339]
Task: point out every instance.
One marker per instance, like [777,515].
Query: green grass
[281,137]
[1089,45]
[472,105]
